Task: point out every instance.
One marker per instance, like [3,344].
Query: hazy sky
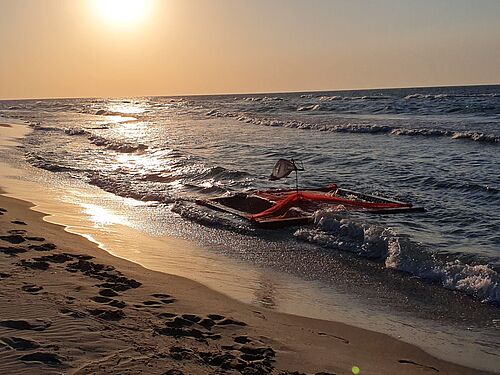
[78,48]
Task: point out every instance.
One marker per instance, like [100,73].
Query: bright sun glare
[122,12]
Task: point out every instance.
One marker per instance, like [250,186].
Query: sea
[430,278]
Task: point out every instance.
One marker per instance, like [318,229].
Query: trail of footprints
[245,355]
[109,307]
[39,353]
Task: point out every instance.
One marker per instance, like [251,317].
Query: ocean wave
[217,113]
[117,146]
[456,184]
[159,177]
[478,280]
[260,98]
[452,271]
[478,137]
[43,163]
[372,97]
[220,173]
[104,112]
[38,126]
[331,98]
[312,107]
[449,96]
[72,131]
[211,219]
[360,128]
[421,132]
[123,186]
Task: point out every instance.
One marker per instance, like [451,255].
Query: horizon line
[253,93]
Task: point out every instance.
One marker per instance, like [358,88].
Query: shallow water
[435,147]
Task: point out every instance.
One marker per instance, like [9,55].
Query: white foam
[336,231]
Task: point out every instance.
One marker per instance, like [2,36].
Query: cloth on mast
[282,169]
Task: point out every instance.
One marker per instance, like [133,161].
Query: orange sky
[73,48]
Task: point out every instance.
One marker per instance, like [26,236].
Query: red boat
[282,208]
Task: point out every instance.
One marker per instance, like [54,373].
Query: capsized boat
[289,207]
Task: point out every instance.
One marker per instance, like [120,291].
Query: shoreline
[72,230]
[285,342]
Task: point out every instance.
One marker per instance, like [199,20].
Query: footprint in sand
[34,264]
[107,314]
[35,238]
[242,339]
[118,304]
[13,238]
[18,222]
[100,299]
[216,317]
[50,359]
[219,320]
[4,275]
[173,372]
[167,315]
[229,321]
[72,313]
[12,251]
[19,343]
[147,304]
[2,211]
[427,368]
[160,295]
[31,288]
[244,358]
[109,301]
[24,325]
[17,231]
[55,258]
[108,293]
[191,317]
[180,353]
[188,332]
[185,326]
[43,247]
[114,280]
[164,298]
[345,341]
[190,325]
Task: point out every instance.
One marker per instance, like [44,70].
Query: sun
[122,12]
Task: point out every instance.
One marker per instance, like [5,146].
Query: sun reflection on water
[100,216]
[140,161]
[127,108]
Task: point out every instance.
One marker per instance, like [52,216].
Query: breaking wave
[312,107]
[449,96]
[190,211]
[453,271]
[72,131]
[359,128]
[117,146]
[125,187]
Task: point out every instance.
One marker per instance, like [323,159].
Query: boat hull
[250,205]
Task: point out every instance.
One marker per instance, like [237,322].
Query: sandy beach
[70,307]
[249,187]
